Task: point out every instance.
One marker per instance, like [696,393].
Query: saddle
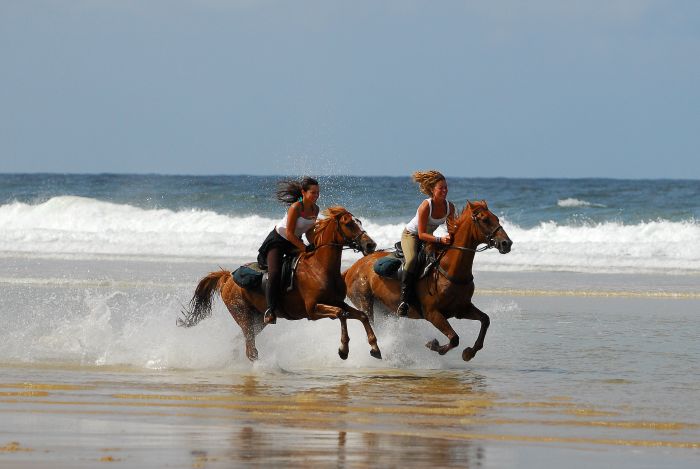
[391,266]
[252,277]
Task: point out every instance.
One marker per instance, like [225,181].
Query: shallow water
[576,369]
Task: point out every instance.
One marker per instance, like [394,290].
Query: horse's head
[488,227]
[347,230]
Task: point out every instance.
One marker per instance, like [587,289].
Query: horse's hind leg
[251,324]
[475,314]
[360,293]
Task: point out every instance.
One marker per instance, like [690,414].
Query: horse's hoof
[253,356]
[433,345]
[468,354]
[376,354]
[342,355]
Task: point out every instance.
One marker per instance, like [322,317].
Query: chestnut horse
[318,291]
[446,292]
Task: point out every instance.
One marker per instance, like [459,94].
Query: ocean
[591,356]
[576,225]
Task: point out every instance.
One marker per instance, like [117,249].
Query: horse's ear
[469,205]
[485,204]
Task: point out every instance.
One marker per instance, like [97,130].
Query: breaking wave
[75,227]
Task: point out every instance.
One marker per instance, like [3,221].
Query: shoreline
[128,272]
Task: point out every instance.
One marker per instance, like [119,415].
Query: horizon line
[110,173]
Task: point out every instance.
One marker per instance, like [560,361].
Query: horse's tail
[200,304]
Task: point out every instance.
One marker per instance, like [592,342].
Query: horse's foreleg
[364,319]
[344,339]
[438,320]
[475,314]
[321,311]
[335,312]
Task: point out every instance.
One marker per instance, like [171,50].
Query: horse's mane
[331,214]
[454,223]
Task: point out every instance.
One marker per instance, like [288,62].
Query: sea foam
[74,227]
[571,202]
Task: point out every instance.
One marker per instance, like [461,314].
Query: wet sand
[577,371]
[80,416]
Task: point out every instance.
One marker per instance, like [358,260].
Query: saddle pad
[246,276]
[387,266]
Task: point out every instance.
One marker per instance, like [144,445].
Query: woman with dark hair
[431,213]
[285,237]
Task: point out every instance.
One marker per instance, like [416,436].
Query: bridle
[490,238]
[348,242]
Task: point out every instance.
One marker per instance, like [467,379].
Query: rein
[460,248]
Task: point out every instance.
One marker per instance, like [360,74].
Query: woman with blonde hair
[432,212]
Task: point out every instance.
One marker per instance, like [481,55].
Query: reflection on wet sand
[358,419]
[364,435]
[343,449]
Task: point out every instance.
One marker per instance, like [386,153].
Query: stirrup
[270,316]
[403,308]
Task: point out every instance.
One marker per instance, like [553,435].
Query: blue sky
[607,88]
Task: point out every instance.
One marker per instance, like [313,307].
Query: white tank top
[433,223]
[302,226]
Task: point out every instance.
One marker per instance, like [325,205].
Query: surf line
[65,282]
[588,293]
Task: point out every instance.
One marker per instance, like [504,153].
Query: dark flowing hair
[289,190]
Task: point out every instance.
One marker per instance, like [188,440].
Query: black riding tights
[274,272]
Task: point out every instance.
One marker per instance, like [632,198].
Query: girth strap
[453,279]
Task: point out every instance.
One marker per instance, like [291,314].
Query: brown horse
[446,292]
[318,291]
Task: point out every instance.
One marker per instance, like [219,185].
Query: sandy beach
[578,369]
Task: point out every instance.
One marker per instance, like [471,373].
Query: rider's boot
[407,286]
[271,295]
